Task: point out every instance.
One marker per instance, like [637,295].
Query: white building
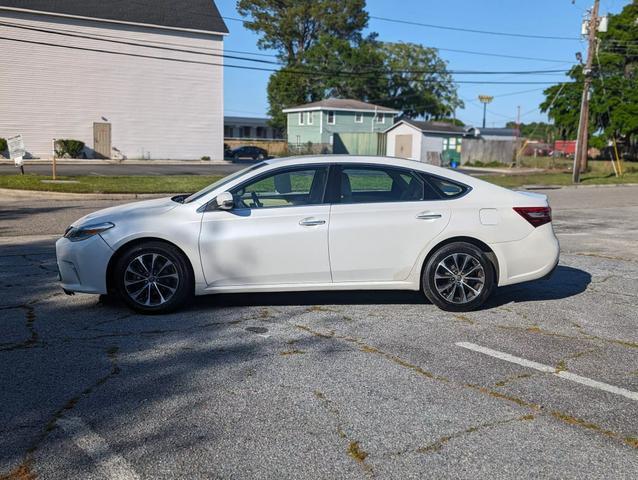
[422,141]
[131,79]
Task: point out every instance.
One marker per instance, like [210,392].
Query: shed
[423,141]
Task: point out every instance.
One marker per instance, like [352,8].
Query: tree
[614,92]
[544,132]
[325,54]
[292,27]
[418,83]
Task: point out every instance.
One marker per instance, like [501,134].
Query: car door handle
[311,222]
[428,216]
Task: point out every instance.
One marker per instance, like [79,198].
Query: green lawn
[563,178]
[94,184]
[192,183]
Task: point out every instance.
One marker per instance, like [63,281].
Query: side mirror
[224,201]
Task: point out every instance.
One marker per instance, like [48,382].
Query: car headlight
[76,234]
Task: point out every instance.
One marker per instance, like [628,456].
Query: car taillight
[536,216]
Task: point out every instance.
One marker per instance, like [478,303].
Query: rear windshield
[223,181]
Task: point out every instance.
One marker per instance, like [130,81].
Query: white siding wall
[430,144]
[161,108]
[404,129]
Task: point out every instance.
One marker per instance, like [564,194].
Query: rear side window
[368,184]
[447,188]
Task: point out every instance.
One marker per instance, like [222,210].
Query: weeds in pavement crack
[564,418]
[26,467]
[354,449]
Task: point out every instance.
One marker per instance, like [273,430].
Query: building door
[403,146]
[102,140]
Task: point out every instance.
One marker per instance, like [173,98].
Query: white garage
[420,141]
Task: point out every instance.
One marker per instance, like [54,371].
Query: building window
[310,118]
[245,132]
[331,117]
[358,118]
[229,132]
[380,118]
[261,132]
[301,118]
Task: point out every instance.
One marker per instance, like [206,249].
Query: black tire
[169,284]
[458,296]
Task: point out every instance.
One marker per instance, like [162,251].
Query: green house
[336,125]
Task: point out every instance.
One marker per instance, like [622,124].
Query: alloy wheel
[151,279]
[459,278]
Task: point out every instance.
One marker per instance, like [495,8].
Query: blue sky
[245,91]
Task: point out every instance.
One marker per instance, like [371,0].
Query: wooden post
[54,164]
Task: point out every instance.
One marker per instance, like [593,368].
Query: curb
[44,195]
[562,187]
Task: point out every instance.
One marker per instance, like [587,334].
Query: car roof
[375,160]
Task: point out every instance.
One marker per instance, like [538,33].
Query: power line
[337,73]
[455,50]
[446,27]
[471,30]
[246,67]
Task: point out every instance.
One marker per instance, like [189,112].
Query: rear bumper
[82,265]
[534,257]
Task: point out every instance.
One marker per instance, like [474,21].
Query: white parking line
[547,369]
[111,465]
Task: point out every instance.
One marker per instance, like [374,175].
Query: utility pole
[580,156]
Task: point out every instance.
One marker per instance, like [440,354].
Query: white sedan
[316,223]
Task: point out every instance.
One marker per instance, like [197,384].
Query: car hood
[129,211]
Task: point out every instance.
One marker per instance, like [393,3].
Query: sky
[245,90]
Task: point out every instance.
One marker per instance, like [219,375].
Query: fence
[274,147]
[360,143]
[486,151]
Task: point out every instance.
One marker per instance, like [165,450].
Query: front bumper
[82,265]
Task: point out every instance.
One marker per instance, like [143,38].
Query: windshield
[222,182]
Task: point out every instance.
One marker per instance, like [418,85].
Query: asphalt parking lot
[540,384]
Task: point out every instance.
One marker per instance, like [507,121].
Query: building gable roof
[201,15]
[341,104]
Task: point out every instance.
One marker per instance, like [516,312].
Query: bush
[205,157]
[68,148]
[3,144]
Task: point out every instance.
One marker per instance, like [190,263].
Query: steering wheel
[256,201]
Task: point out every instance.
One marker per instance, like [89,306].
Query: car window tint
[377,185]
[283,188]
[447,188]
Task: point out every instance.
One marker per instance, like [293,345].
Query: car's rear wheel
[153,277]
[458,277]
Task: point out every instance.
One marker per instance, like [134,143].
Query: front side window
[380,118]
[283,188]
[310,118]
[224,181]
[331,118]
[301,118]
[358,118]
[380,184]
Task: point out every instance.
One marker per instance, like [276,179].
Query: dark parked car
[248,152]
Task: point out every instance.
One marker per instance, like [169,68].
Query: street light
[485,99]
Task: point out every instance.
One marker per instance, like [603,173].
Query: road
[154,169]
[326,385]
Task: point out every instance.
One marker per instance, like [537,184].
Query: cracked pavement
[325,385]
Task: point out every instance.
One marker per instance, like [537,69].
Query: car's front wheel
[458,277]
[153,277]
